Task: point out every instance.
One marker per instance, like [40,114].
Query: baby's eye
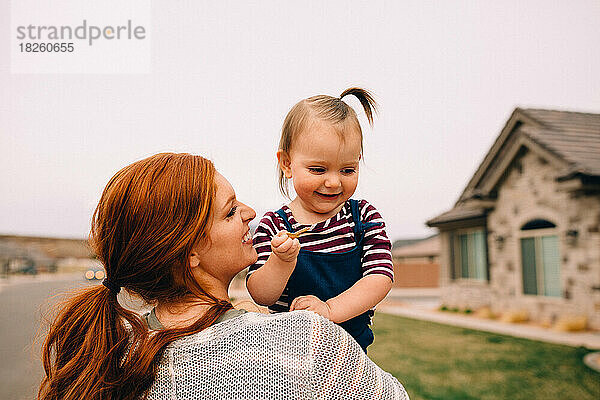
[231,212]
[348,171]
[316,170]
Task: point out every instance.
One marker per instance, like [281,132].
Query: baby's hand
[285,248]
[311,303]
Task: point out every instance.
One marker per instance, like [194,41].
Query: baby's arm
[267,283]
[360,298]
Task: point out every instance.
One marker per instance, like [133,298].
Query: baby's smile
[328,196]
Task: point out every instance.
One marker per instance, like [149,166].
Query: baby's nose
[332,181]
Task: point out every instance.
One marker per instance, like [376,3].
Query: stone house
[525,233]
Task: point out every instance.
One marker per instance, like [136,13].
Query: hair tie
[113,287]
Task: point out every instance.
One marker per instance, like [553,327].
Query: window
[471,255]
[537,224]
[540,260]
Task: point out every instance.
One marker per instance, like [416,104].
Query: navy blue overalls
[326,275]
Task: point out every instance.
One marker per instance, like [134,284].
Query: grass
[440,362]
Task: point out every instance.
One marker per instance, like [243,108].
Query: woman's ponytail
[84,347]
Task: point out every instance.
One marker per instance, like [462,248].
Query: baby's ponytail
[365,98]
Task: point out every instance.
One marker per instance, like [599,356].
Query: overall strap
[359,226]
[283,216]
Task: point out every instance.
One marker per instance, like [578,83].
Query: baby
[341,265]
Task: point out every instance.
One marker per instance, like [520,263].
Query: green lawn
[440,362]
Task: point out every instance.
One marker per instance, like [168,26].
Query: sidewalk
[591,340]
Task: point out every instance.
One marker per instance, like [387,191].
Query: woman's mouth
[247,237]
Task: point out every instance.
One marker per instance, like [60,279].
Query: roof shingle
[573,136]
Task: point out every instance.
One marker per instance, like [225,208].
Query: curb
[592,360]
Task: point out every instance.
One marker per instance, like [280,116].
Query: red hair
[150,216]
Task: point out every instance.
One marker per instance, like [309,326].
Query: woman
[169,229]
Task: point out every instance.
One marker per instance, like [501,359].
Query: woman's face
[229,248]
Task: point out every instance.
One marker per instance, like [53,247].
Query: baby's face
[324,168]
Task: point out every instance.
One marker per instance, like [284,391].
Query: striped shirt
[334,235]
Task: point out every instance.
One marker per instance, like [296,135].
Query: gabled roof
[458,214]
[573,136]
[428,247]
[396,244]
[569,139]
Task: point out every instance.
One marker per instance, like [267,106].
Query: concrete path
[591,340]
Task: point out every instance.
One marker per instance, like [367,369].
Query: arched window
[537,224]
[540,258]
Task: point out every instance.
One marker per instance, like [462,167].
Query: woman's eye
[231,212]
[316,170]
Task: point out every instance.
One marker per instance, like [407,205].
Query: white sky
[447,75]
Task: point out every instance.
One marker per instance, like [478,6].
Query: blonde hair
[323,108]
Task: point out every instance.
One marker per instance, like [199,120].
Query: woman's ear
[194,259]
[284,161]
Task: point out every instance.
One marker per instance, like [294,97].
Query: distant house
[416,262]
[525,232]
[42,254]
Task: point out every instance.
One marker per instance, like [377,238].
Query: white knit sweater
[297,355]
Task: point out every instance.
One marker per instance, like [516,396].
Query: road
[23,303]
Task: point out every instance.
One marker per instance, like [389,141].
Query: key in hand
[294,235]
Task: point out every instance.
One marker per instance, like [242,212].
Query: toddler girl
[341,266]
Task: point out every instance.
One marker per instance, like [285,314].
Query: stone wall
[530,191]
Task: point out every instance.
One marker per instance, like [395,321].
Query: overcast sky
[447,75]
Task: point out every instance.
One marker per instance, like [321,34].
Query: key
[294,235]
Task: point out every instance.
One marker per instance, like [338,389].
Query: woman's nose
[248,214]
